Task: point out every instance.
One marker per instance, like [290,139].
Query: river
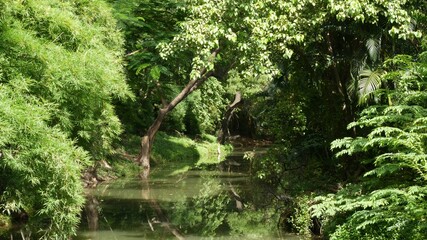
[199,204]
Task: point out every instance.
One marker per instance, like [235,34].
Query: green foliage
[5,224]
[316,46]
[282,117]
[200,113]
[68,54]
[218,24]
[389,202]
[366,83]
[319,47]
[175,120]
[172,154]
[248,86]
[205,108]
[154,81]
[170,42]
[205,213]
[40,167]
[180,150]
[270,168]
[301,219]
[60,69]
[253,224]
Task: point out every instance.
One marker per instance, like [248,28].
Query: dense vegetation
[338,86]
[60,70]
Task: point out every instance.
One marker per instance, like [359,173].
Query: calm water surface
[193,205]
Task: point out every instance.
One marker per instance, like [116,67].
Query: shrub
[39,168]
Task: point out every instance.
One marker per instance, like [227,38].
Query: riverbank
[171,154]
[204,202]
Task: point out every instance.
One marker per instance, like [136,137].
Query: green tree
[146,23]
[323,50]
[213,40]
[312,43]
[310,105]
[389,201]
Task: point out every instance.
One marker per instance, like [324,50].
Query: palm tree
[367,75]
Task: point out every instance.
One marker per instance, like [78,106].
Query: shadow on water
[198,204]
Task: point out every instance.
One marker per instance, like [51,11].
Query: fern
[389,201]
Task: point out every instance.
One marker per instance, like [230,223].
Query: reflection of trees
[205,213]
[236,197]
[219,208]
[92,212]
[216,210]
[253,224]
[256,216]
[146,195]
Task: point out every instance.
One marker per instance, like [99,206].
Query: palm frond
[368,82]
[374,47]
[356,67]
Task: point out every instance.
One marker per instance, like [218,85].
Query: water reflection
[161,216]
[205,213]
[195,205]
[92,212]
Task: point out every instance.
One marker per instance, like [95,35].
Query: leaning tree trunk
[147,143]
[147,140]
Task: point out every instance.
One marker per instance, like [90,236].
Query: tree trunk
[147,140]
[341,86]
[147,143]
[224,132]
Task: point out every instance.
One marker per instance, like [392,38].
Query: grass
[170,155]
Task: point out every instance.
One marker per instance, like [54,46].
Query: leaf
[368,82]
[142,67]
[155,72]
[373,46]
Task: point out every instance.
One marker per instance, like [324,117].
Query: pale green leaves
[366,83]
[370,11]
[238,29]
[155,72]
[374,48]
[60,69]
[41,162]
[70,55]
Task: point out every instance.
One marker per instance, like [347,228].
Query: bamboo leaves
[70,61]
[40,168]
[60,71]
